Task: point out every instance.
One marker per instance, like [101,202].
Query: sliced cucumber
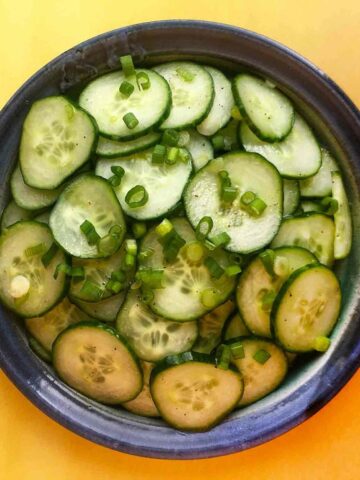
[105,310]
[311,206]
[28,197]
[185,281]
[26,286]
[12,213]
[93,359]
[257,288]
[298,156]
[143,404]
[269,114]
[200,149]
[248,172]
[108,148]
[231,136]
[313,231]
[46,328]
[236,327]
[163,183]
[99,271]
[103,100]
[57,139]
[342,218]
[291,196]
[260,378]
[39,350]
[211,326]
[192,91]
[151,336]
[220,112]
[91,198]
[307,307]
[192,394]
[320,184]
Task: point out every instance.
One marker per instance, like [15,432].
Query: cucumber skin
[143,132]
[206,112]
[66,282]
[131,152]
[104,327]
[93,146]
[248,120]
[280,296]
[186,357]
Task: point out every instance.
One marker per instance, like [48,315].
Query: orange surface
[33,447]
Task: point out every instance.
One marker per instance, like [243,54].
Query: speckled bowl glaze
[337,123]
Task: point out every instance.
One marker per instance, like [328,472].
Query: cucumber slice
[342,218]
[298,156]
[185,281]
[313,231]
[98,271]
[260,378]
[200,148]
[236,328]
[291,196]
[192,91]
[230,134]
[93,359]
[320,184]
[311,206]
[248,172]
[57,139]
[26,286]
[108,148]
[103,100]
[189,391]
[256,286]
[220,112]
[307,307]
[12,213]
[211,326]
[90,198]
[44,217]
[28,197]
[39,350]
[46,328]
[163,183]
[143,404]
[267,111]
[106,310]
[151,336]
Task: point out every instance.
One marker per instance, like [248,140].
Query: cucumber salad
[170,240]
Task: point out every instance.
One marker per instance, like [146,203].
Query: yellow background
[33,447]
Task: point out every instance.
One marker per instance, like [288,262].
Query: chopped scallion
[261,356]
[143,81]
[89,231]
[114,286]
[151,278]
[170,138]
[183,155]
[131,246]
[237,350]
[247,198]
[215,270]
[49,255]
[330,204]
[38,249]
[62,268]
[172,155]
[137,197]
[221,239]
[126,88]
[321,344]
[268,257]
[203,228]
[130,120]
[172,242]
[232,270]
[92,291]
[118,276]
[164,227]
[118,171]
[229,194]
[218,142]
[158,154]
[139,229]
[127,65]
[223,357]
[129,261]
[185,74]
[256,207]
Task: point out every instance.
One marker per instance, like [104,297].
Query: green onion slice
[185,74]
[221,239]
[331,205]
[172,242]
[151,278]
[170,138]
[158,154]
[49,255]
[38,249]
[89,231]
[127,65]
[139,229]
[215,270]
[256,207]
[247,198]
[232,270]
[92,291]
[143,80]
[62,268]
[164,227]
[223,357]
[131,246]
[126,88]
[137,197]
[130,120]
[268,258]
[237,350]
[261,356]
[172,155]
[203,228]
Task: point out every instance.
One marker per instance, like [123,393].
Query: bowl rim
[53,391]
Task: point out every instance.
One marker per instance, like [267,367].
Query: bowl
[337,123]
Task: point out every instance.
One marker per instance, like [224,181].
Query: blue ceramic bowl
[337,123]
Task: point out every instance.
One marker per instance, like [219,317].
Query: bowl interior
[336,123]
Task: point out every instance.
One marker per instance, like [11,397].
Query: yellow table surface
[32,446]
